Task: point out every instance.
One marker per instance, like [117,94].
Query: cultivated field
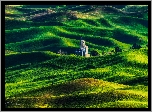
[37,77]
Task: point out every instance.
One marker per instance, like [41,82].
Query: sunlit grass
[140,58]
[121,104]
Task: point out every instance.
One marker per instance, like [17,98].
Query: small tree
[136,46]
[113,51]
[103,53]
[95,53]
[118,49]
[62,52]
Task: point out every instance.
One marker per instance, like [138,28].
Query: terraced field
[36,76]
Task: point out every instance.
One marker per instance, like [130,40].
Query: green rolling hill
[37,77]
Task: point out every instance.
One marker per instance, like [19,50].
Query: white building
[83,49]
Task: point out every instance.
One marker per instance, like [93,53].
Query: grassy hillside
[37,77]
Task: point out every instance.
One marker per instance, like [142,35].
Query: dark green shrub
[95,53]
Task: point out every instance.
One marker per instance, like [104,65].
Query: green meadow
[36,76]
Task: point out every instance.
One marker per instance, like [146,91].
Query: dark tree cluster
[62,52]
[118,49]
[95,53]
[136,46]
